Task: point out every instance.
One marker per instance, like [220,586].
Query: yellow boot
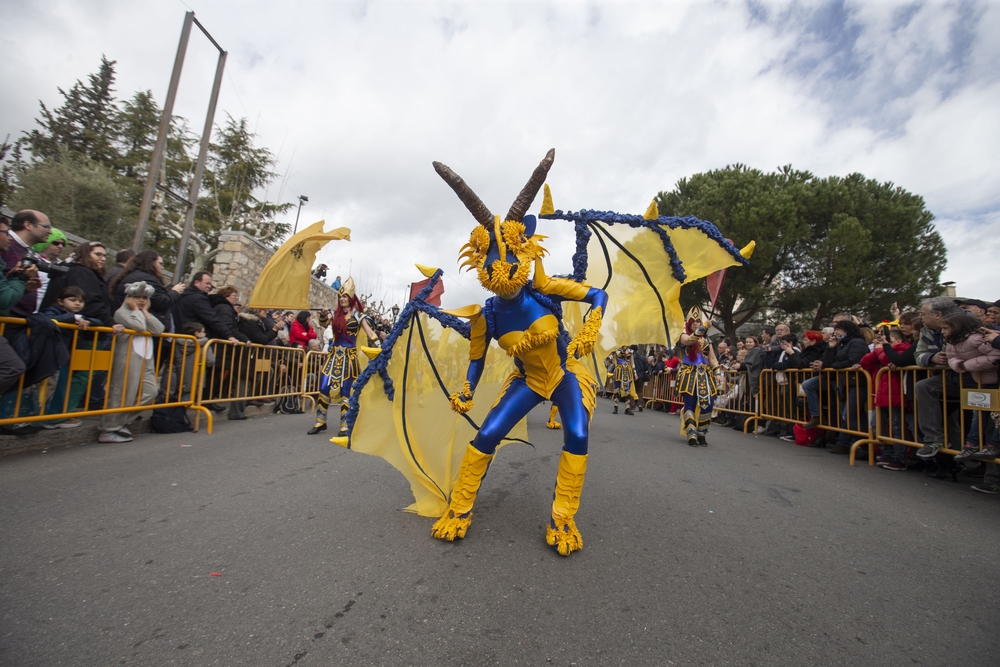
[456,520]
[562,534]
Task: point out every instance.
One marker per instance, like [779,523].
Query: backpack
[805,436]
[170,420]
[288,405]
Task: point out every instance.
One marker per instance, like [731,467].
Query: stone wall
[240,260]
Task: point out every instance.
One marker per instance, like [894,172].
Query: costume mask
[501,250]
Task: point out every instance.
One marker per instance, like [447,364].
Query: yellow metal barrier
[661,389]
[734,395]
[250,372]
[176,356]
[892,427]
[777,401]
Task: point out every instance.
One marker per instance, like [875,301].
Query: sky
[356,99]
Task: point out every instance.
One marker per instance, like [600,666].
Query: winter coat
[194,306]
[975,357]
[16,251]
[11,289]
[810,354]
[254,329]
[299,336]
[98,303]
[753,364]
[931,342]
[889,392]
[60,314]
[160,304]
[43,352]
[229,316]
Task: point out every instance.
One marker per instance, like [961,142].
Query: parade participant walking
[624,379]
[696,380]
[342,365]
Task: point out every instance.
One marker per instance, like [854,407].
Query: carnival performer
[526,321]
[696,379]
[624,379]
[342,365]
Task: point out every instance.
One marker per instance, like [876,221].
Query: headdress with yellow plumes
[501,250]
[347,288]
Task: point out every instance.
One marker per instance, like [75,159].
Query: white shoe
[124,431]
[70,423]
[761,430]
[114,437]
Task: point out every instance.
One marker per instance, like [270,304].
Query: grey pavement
[751,551]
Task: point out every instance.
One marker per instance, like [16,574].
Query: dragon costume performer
[623,376]
[696,380]
[342,365]
[539,338]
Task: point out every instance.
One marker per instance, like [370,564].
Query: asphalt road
[749,552]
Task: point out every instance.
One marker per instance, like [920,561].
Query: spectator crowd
[131,295]
[945,346]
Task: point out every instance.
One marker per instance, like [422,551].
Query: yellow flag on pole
[284,282]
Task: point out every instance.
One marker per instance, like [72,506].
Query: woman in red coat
[302,332]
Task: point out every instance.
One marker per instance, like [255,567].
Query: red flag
[714,284]
[434,298]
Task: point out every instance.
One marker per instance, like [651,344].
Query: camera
[44,265]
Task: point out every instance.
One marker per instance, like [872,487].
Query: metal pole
[161,138]
[296,228]
[199,169]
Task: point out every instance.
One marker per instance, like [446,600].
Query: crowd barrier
[967,412]
[845,400]
[232,372]
[152,371]
[192,375]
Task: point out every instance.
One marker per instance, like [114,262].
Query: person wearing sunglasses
[49,250]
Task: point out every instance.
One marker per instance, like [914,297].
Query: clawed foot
[553,425]
[451,527]
[564,538]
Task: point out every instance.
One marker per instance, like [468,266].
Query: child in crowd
[970,354]
[888,397]
[66,310]
[183,371]
[133,370]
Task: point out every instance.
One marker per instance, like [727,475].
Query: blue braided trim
[659,226]
[379,363]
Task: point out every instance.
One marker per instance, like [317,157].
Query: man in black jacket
[194,306]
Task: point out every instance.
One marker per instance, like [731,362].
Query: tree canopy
[824,245]
[86,163]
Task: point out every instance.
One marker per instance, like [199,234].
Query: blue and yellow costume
[526,322]
[342,365]
[624,379]
[696,381]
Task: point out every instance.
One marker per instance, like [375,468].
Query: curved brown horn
[528,192]
[471,200]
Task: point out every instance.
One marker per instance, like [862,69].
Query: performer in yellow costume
[624,379]
[526,321]
[696,380]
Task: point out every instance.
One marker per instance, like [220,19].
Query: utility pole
[152,176]
[302,198]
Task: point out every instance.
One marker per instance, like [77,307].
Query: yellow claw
[370,352]
[652,213]
[339,440]
[428,271]
[747,250]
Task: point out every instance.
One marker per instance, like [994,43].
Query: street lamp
[395,313]
[302,200]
